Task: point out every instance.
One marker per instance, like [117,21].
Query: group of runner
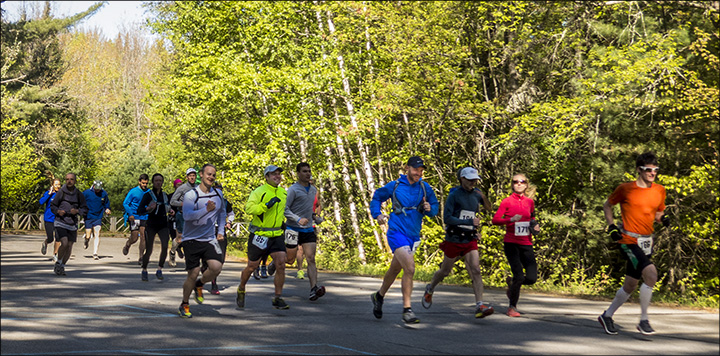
[284,221]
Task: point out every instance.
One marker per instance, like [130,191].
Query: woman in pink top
[517,213]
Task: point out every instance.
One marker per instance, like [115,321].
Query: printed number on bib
[522,228]
[260,241]
[645,244]
[466,214]
[291,237]
[216,244]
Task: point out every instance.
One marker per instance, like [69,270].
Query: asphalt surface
[102,308]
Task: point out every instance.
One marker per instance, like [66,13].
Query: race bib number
[415,246]
[216,244]
[645,244]
[466,214]
[260,241]
[522,228]
[291,237]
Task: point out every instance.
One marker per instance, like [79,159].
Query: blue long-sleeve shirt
[46,199]
[199,222]
[96,203]
[131,203]
[409,195]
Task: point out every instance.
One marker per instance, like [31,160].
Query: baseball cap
[97,184]
[190,170]
[416,162]
[469,173]
[271,168]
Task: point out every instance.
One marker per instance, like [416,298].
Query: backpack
[197,196]
[165,201]
[397,206]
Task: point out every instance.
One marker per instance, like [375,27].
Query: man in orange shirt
[642,203]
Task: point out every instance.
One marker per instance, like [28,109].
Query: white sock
[620,298]
[645,296]
[477,304]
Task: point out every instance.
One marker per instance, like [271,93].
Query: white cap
[469,173]
[271,168]
[190,170]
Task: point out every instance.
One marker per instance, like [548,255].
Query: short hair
[143,177]
[301,165]
[645,159]
[156,175]
[205,166]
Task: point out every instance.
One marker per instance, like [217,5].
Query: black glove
[614,232]
[533,223]
[272,202]
[665,220]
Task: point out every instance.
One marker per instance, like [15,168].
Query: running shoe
[427,297]
[279,303]
[263,272]
[645,328]
[483,310]
[144,276]
[55,259]
[126,249]
[199,293]
[184,310]
[159,275]
[512,312]
[240,299]
[43,248]
[256,274]
[608,324]
[180,252]
[300,275]
[377,304]
[95,257]
[214,289]
[316,292]
[62,273]
[56,269]
[172,259]
[87,242]
[409,317]
[271,268]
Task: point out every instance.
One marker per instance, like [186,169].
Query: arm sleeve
[142,207]
[177,197]
[126,204]
[188,207]
[44,197]
[432,199]
[499,217]
[381,194]
[448,217]
[107,201]
[55,204]
[254,206]
[292,217]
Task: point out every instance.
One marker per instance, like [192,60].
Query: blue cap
[271,168]
[416,162]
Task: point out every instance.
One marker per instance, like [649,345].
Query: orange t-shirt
[638,207]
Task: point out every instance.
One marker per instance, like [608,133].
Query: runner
[98,204]
[266,205]
[301,220]
[177,203]
[412,199]
[68,206]
[155,203]
[517,213]
[642,202]
[461,236]
[133,219]
[171,225]
[49,219]
[204,215]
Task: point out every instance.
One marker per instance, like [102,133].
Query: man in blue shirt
[98,203]
[412,199]
[132,219]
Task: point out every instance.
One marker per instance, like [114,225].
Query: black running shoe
[409,317]
[645,328]
[43,248]
[377,304]
[317,292]
[279,303]
[240,299]
[607,324]
[271,268]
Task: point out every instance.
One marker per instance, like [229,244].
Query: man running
[133,219]
[461,236]
[49,219]
[642,202]
[176,203]
[155,203]
[171,223]
[68,205]
[412,199]
[204,228]
[301,220]
[266,205]
[98,204]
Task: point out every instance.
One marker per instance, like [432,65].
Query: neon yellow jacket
[266,222]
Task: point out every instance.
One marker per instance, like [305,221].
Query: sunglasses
[521,181]
[649,169]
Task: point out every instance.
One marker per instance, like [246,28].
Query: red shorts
[454,249]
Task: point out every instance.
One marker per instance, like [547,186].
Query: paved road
[102,307]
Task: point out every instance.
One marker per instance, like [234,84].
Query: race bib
[645,244]
[291,237]
[415,246]
[260,241]
[466,214]
[216,244]
[135,225]
[522,228]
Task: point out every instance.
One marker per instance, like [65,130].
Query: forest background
[568,93]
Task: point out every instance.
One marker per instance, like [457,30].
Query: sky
[110,18]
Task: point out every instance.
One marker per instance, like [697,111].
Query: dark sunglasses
[649,169]
[521,181]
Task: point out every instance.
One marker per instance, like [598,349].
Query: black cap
[416,162]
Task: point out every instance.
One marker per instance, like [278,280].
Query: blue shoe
[158,274]
[144,276]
